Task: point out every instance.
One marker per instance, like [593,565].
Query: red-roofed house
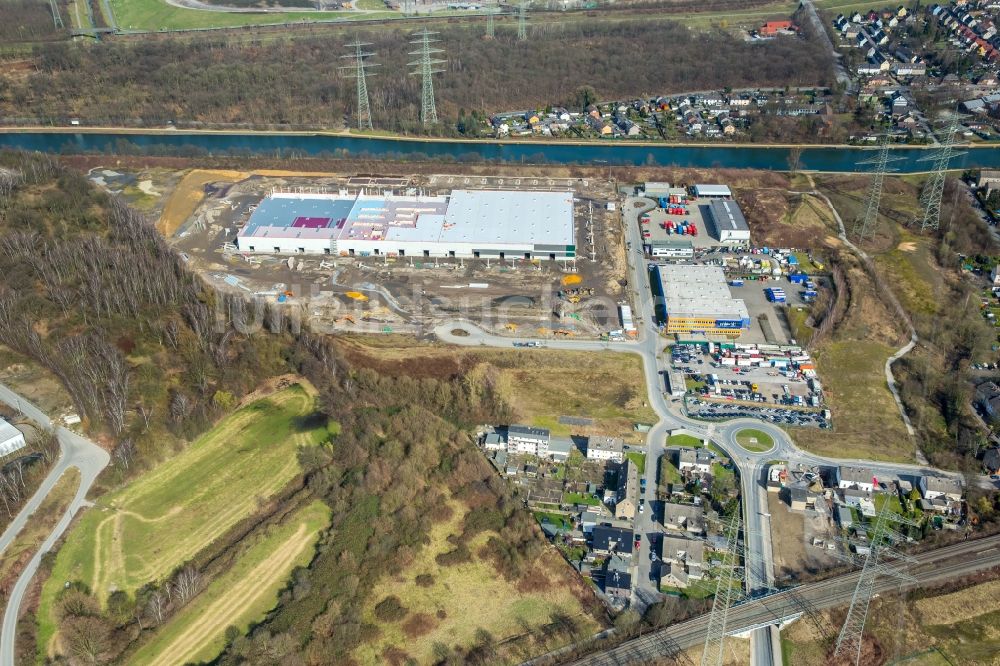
[772,27]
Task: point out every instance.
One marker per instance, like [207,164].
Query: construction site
[538,257]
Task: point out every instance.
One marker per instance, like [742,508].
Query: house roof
[563,446]
[693,549]
[612,538]
[618,580]
[856,474]
[602,443]
[991,459]
[944,484]
[528,431]
[689,511]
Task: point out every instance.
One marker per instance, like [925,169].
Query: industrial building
[467,223]
[727,222]
[713,192]
[11,439]
[696,299]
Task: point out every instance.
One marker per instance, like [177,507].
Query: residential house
[801,498]
[862,478]
[559,449]
[684,517]
[988,399]
[859,499]
[627,498]
[674,575]
[991,461]
[494,441]
[606,540]
[685,557]
[600,447]
[617,579]
[528,440]
[588,521]
[845,518]
[696,460]
[933,487]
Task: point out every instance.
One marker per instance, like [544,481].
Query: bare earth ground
[34,383]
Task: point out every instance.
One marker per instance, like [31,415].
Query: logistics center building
[466,223]
[696,299]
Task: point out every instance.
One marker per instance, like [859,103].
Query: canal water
[827,158]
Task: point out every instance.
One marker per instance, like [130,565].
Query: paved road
[817,23]
[74,451]
[932,567]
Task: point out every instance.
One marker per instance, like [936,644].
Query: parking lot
[777,415]
[721,391]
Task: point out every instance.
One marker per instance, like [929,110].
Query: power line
[522,21]
[865,225]
[427,66]
[360,70]
[851,634]
[56,16]
[930,196]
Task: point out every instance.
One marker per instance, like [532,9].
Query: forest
[296,81]
[29,20]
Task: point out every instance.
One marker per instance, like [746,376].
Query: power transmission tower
[427,66]
[864,226]
[879,539]
[930,196]
[490,29]
[56,16]
[522,21]
[728,591]
[360,70]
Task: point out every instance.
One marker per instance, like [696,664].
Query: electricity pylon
[56,16]
[728,591]
[490,29]
[522,21]
[359,69]
[849,640]
[427,66]
[865,225]
[930,196]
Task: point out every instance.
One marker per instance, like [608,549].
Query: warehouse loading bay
[514,296]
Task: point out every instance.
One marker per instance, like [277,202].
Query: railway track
[935,566]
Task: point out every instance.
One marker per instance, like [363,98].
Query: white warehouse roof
[712,191]
[508,217]
[699,291]
[11,439]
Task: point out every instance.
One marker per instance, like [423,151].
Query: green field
[143,531]
[754,440]
[240,596]
[638,459]
[684,440]
[580,498]
[158,15]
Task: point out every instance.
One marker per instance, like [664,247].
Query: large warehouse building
[727,222]
[696,299]
[466,223]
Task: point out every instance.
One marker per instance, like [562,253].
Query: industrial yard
[535,257]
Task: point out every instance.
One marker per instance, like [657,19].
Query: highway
[751,466]
[932,567]
[74,451]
